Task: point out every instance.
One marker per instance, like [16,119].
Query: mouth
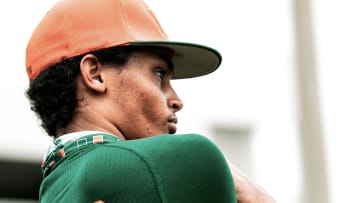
[172,125]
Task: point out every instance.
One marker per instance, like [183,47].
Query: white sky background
[254,86]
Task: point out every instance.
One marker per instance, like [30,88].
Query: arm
[247,191]
[190,168]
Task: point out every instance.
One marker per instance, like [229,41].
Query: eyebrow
[170,64]
[164,53]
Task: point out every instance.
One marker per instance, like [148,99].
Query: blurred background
[283,107]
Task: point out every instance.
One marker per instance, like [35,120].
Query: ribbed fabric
[164,168]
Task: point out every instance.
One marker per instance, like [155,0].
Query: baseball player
[100,73]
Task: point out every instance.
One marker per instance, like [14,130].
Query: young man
[100,74]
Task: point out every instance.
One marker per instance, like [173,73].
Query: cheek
[153,106]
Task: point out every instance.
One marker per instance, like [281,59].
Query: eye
[161,73]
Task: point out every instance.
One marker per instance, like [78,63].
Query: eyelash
[161,73]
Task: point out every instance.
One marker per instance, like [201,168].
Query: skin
[137,101]
[246,190]
[133,101]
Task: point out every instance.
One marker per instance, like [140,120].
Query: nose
[174,102]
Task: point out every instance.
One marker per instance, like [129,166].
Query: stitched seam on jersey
[157,178]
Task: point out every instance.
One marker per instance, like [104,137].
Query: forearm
[246,190]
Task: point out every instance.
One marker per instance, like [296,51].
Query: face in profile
[142,98]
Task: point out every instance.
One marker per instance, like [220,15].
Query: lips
[172,125]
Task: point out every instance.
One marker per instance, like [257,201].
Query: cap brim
[190,60]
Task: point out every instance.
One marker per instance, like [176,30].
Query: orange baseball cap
[75,27]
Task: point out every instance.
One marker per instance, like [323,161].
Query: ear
[92,73]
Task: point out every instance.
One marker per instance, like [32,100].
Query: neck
[90,121]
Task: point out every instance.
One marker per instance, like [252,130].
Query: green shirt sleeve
[164,168]
[188,168]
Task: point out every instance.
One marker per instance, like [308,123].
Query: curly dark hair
[52,94]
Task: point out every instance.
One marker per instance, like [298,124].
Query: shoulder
[190,167]
[117,173]
[149,153]
[172,143]
[185,168]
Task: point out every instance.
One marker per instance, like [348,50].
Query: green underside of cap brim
[190,60]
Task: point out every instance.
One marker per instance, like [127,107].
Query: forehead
[162,53]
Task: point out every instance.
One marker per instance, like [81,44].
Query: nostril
[177,105]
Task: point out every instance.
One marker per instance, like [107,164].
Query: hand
[247,191]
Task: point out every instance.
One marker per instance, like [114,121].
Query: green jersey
[88,167]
